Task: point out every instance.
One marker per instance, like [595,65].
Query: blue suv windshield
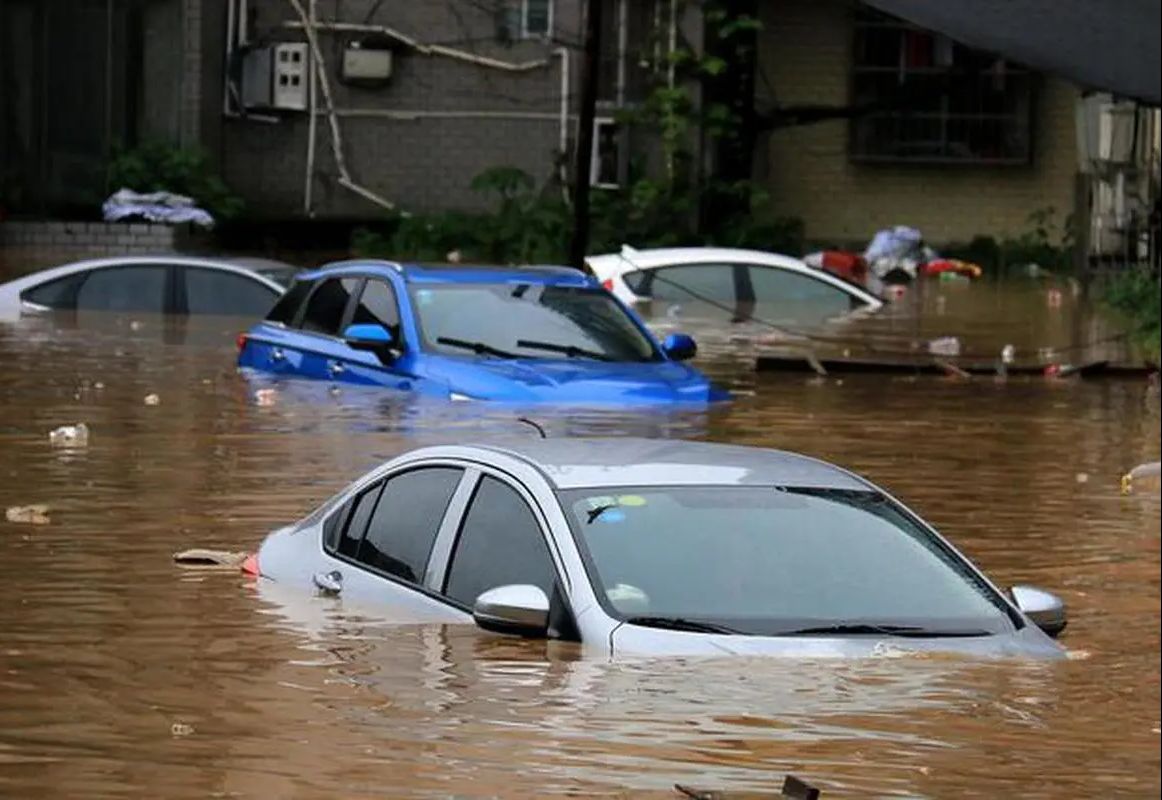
[768,561]
[526,320]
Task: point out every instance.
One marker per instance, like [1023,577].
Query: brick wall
[806,52]
[419,140]
[91,239]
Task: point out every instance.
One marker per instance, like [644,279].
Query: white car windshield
[769,561]
[526,320]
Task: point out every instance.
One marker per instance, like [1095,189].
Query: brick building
[426,95]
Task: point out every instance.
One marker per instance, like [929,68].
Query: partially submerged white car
[750,283]
[655,547]
[160,284]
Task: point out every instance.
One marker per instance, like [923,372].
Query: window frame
[81,277]
[181,299]
[447,541]
[400,343]
[344,317]
[453,513]
[525,33]
[870,19]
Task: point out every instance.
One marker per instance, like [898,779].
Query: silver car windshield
[769,561]
[526,320]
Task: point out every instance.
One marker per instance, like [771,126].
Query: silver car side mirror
[1046,610]
[519,609]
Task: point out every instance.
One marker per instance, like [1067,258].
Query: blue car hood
[576,381]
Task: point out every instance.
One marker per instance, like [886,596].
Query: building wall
[420,140]
[806,54]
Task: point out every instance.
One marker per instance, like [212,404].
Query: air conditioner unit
[274,77]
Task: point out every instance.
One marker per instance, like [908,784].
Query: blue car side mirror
[369,336]
[680,347]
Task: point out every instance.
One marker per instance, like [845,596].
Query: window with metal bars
[933,100]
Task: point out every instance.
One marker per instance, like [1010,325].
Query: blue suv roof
[456,273]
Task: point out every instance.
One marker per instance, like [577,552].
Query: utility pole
[584,156]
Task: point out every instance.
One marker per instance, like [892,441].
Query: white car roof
[629,259]
[575,463]
[669,256]
[15,287]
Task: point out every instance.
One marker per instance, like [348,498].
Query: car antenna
[538,428]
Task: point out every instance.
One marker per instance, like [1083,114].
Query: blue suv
[518,335]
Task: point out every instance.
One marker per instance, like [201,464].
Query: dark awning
[1110,45]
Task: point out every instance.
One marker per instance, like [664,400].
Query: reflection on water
[121,675]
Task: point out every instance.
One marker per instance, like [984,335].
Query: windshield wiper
[479,348]
[572,351]
[681,624]
[856,628]
[594,513]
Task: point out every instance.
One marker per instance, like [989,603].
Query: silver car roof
[624,461]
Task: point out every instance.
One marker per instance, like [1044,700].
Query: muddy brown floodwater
[122,675]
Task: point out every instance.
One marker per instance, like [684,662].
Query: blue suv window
[328,304]
[287,308]
[377,305]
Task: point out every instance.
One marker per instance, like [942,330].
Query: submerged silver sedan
[655,547]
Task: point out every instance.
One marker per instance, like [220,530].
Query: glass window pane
[288,305]
[761,559]
[406,520]
[530,321]
[682,284]
[500,543]
[781,293]
[326,306]
[377,305]
[131,288]
[536,17]
[357,523]
[210,291]
[59,294]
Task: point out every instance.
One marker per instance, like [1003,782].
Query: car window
[405,522]
[139,287]
[377,305]
[528,321]
[713,282]
[357,521]
[60,293]
[763,559]
[500,543]
[327,304]
[774,288]
[287,307]
[212,291]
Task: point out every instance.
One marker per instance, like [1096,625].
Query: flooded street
[123,675]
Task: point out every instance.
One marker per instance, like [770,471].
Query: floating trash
[265,397]
[70,435]
[152,400]
[944,346]
[210,559]
[36,514]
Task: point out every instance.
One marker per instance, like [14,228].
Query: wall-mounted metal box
[275,77]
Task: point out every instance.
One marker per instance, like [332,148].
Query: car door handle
[277,354]
[330,583]
[335,368]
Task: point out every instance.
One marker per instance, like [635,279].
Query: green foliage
[1137,298]
[530,224]
[1042,244]
[160,166]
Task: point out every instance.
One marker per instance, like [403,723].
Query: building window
[603,169]
[536,18]
[934,100]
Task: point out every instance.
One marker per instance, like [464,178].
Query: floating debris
[944,346]
[36,514]
[70,435]
[210,559]
[181,729]
[265,397]
[152,400]
[1142,473]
